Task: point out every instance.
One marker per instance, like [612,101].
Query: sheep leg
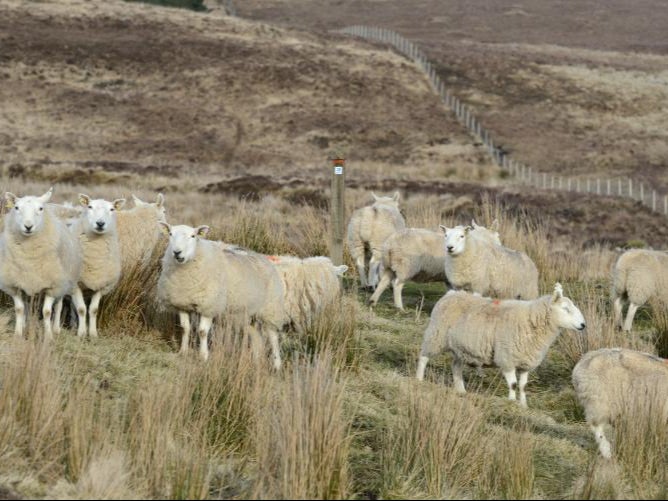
[511,379]
[629,316]
[618,311]
[603,444]
[374,265]
[92,313]
[384,283]
[397,287]
[204,327]
[184,319]
[275,349]
[422,365]
[80,304]
[47,309]
[20,311]
[524,378]
[57,311]
[458,376]
[359,262]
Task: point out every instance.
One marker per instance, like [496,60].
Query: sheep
[211,279]
[368,228]
[638,276]
[37,255]
[138,232]
[608,380]
[310,285]
[509,334]
[101,258]
[477,265]
[419,255]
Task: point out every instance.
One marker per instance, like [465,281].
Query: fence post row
[469,120]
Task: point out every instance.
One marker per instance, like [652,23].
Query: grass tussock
[303,435]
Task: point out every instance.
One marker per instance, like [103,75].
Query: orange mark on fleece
[496,302]
[274,259]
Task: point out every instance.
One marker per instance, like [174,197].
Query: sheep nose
[450,247]
[582,326]
[28,227]
[177,253]
[100,224]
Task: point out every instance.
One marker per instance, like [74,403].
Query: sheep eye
[192,236]
[111,210]
[16,208]
[90,206]
[41,208]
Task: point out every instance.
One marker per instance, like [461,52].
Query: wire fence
[619,187]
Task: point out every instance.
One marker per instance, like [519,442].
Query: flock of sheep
[493,316]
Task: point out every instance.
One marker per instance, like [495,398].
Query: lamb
[310,286]
[211,279]
[608,380]
[37,255]
[476,265]
[368,228]
[419,255]
[138,232]
[101,258]
[509,334]
[638,276]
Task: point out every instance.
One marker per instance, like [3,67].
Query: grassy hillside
[233,120]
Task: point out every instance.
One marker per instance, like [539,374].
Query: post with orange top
[337,209]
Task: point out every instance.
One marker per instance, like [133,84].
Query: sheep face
[158,205]
[27,215]
[455,239]
[100,215]
[568,316]
[183,241]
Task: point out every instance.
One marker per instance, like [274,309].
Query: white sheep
[212,279]
[509,334]
[611,380]
[419,255]
[101,258]
[490,269]
[368,228]
[37,255]
[138,232]
[310,286]
[638,276]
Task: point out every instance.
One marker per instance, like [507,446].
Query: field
[233,120]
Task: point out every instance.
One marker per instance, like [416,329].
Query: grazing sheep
[418,255]
[138,232]
[509,334]
[368,228]
[212,279]
[37,255]
[101,258]
[477,265]
[310,286]
[607,381]
[638,276]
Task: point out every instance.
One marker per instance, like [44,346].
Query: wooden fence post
[337,209]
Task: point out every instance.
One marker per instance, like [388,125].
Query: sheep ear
[202,231]
[10,200]
[84,200]
[165,229]
[160,200]
[119,203]
[495,225]
[396,196]
[375,198]
[47,196]
[340,270]
[474,224]
[138,201]
[444,229]
[558,292]
[467,229]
